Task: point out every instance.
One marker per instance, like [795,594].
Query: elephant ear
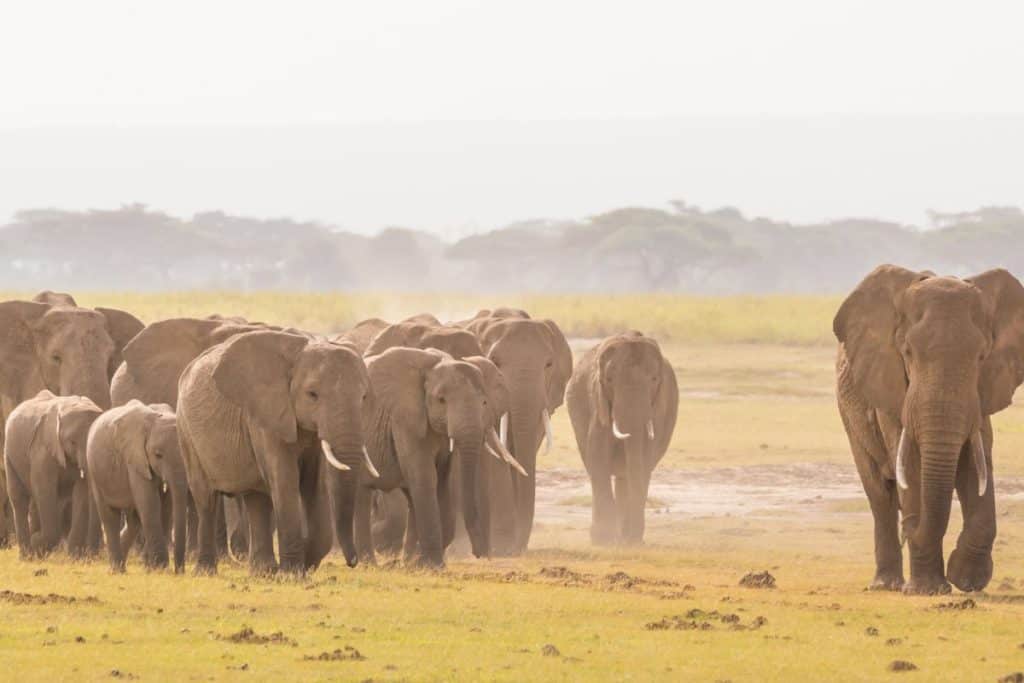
[131,431]
[18,358]
[398,376]
[122,327]
[1003,369]
[494,385]
[457,342]
[254,372]
[562,368]
[866,326]
[399,334]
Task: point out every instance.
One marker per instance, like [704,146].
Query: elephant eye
[312,395]
[55,358]
[440,399]
[548,364]
[158,455]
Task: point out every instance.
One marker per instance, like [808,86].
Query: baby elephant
[622,400]
[134,466]
[44,459]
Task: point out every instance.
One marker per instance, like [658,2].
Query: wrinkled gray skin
[623,381]
[536,362]
[460,344]
[50,343]
[45,465]
[361,334]
[932,358]
[252,413]
[153,362]
[134,465]
[423,399]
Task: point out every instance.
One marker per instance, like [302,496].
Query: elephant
[429,419]
[45,463]
[134,463]
[362,333]
[622,400]
[257,417]
[923,363]
[536,362]
[460,344]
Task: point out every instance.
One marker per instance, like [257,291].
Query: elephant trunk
[468,452]
[87,378]
[527,427]
[179,512]
[343,459]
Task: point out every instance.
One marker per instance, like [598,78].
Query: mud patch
[702,620]
[15,598]
[345,654]
[249,637]
[550,650]
[900,665]
[957,605]
[758,580]
[1016,677]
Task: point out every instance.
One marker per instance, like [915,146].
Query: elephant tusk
[369,465]
[548,434]
[451,445]
[498,449]
[980,462]
[329,454]
[503,427]
[165,487]
[81,473]
[618,434]
[650,430]
[901,460]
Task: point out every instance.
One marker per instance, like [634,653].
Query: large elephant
[923,362]
[362,333]
[430,418]
[622,401]
[134,463]
[45,464]
[258,416]
[50,343]
[536,362]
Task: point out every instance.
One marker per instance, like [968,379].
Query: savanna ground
[758,478]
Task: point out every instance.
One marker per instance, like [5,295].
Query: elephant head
[455,341]
[536,362]
[71,417]
[362,333]
[432,397]
[938,355]
[147,437]
[627,385]
[68,350]
[155,358]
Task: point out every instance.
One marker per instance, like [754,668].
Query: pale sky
[342,111]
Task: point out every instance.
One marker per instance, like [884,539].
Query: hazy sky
[343,111]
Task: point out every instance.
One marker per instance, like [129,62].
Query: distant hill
[680,248]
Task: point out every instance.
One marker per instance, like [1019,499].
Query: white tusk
[503,427]
[547,431]
[81,473]
[618,435]
[650,430]
[165,487]
[329,454]
[369,465]
[498,450]
[980,462]
[451,444]
[901,460]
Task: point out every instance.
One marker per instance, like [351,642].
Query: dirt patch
[957,605]
[1016,677]
[249,637]
[124,675]
[345,654]
[564,575]
[15,598]
[703,620]
[758,580]
[550,650]
[900,665]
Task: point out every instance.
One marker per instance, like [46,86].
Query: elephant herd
[220,435]
[421,437]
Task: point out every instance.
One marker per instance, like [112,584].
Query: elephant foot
[927,586]
[887,581]
[969,573]
[205,567]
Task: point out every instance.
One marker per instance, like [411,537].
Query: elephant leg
[526,497]
[111,521]
[503,504]
[426,514]
[605,522]
[130,532]
[94,538]
[342,489]
[446,501]
[146,495]
[221,535]
[239,534]
[78,535]
[192,526]
[206,562]
[883,499]
[970,564]
[47,505]
[288,513]
[362,529]
[412,541]
[261,539]
[319,517]
[21,501]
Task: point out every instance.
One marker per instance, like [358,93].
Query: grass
[752,394]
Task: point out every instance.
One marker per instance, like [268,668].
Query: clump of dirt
[758,580]
[117,673]
[41,572]
[1015,677]
[871,631]
[550,650]
[248,636]
[700,620]
[893,642]
[1008,584]
[900,665]
[48,599]
[346,654]
[564,575]
[623,580]
[965,604]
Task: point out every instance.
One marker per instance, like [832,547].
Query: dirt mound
[249,637]
[550,650]
[957,605]
[346,654]
[758,580]
[701,620]
[1016,677]
[563,575]
[899,665]
[48,599]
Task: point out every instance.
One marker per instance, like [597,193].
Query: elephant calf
[622,401]
[134,464]
[45,464]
